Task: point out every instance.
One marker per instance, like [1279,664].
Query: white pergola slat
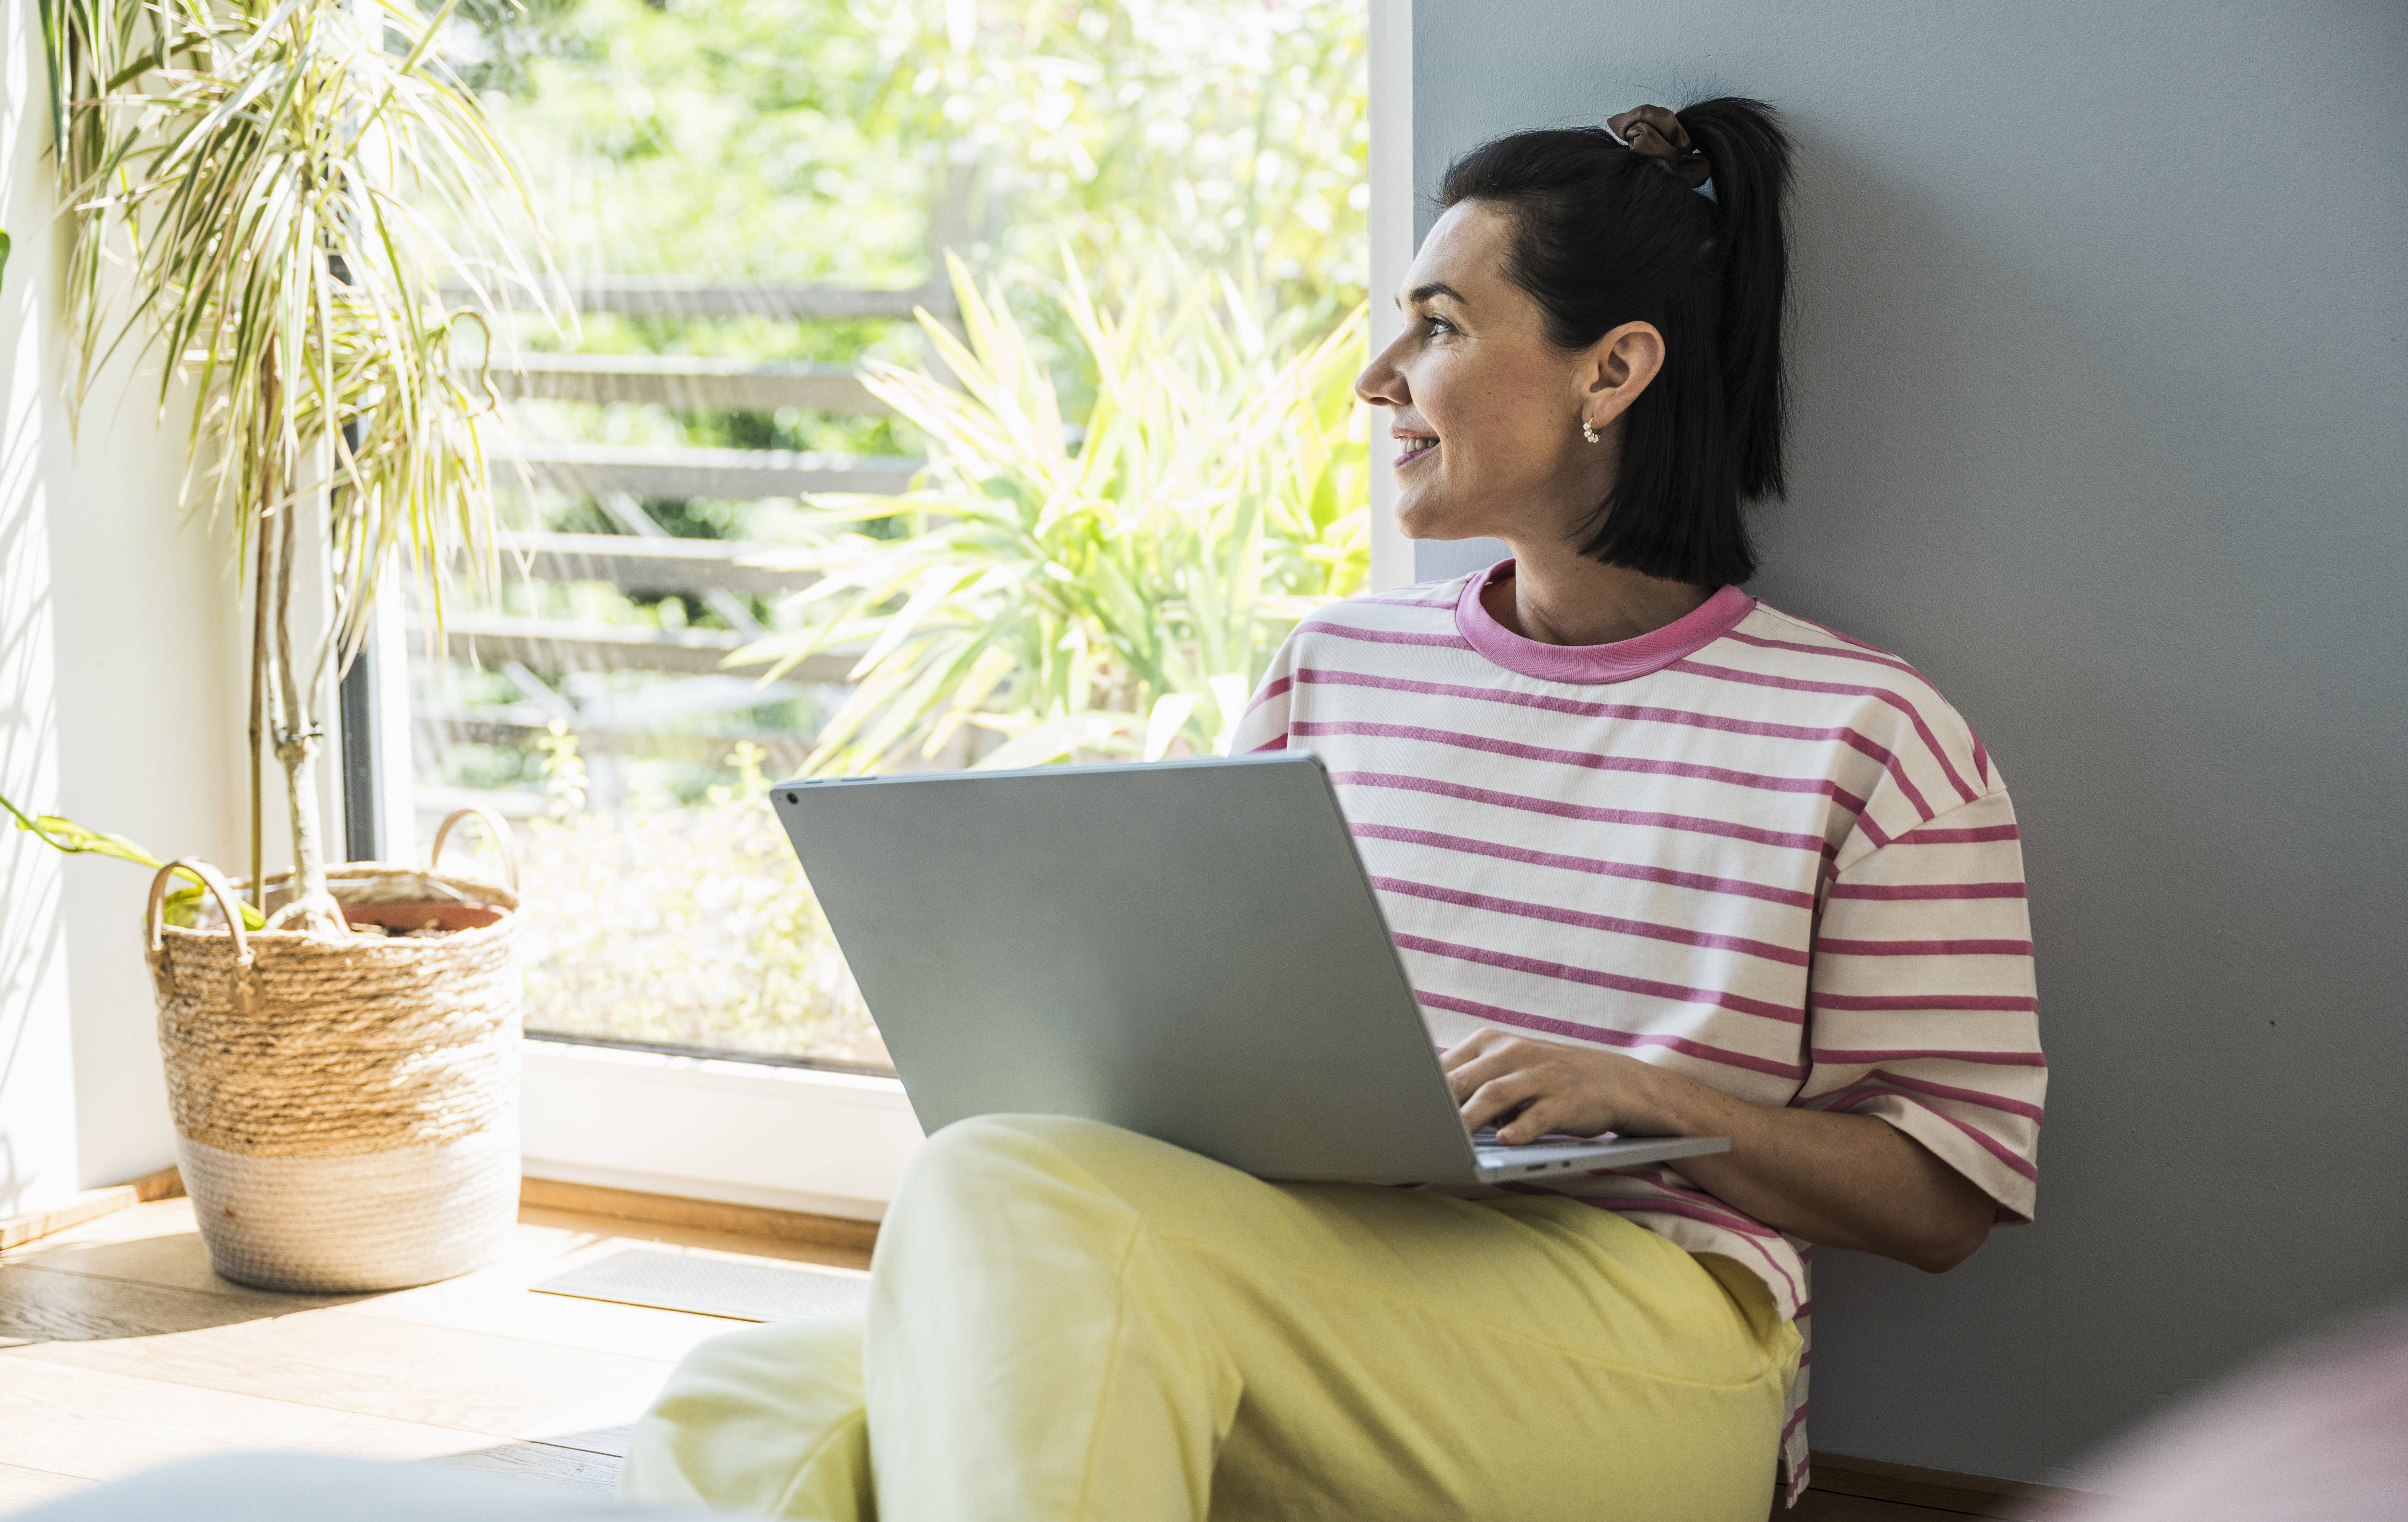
[685,381]
[500,723]
[647,566]
[553,644]
[590,469]
[662,296]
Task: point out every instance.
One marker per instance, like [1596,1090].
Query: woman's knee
[1006,1173]
[748,1419]
[984,1147]
[768,1373]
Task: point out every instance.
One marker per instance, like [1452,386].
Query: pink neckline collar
[1619,661]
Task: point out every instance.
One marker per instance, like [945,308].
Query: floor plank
[41,1306]
[1826,1506]
[609,1440]
[500,1301]
[579,1464]
[593,1326]
[1943,1490]
[355,1436]
[168,1260]
[385,1368]
[20,1487]
[570,1469]
[96,1424]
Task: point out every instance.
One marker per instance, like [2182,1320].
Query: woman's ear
[1619,366]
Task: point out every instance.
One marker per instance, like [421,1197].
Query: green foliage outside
[810,141]
[687,926]
[1146,460]
[805,140]
[1120,598]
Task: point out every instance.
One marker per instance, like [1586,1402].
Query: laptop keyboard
[1531,1156]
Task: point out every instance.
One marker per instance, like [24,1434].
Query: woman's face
[1486,412]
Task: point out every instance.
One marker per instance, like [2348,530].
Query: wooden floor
[1825,1506]
[120,1350]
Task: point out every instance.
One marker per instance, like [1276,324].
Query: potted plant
[270,196]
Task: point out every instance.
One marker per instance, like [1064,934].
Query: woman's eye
[1434,324]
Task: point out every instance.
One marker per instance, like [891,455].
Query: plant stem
[258,585]
[296,738]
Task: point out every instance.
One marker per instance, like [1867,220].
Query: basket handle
[154,918]
[497,830]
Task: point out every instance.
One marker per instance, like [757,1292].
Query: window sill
[747,1133]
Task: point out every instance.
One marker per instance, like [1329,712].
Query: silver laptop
[1188,949]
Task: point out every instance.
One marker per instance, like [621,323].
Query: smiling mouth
[1414,449]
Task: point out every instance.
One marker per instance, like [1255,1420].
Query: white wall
[2102,382]
[120,704]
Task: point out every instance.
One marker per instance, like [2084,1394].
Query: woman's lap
[1070,1320]
[768,1421]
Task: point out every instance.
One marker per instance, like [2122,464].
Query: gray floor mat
[715,1286]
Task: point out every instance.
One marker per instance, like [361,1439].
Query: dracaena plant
[1113,588]
[269,197]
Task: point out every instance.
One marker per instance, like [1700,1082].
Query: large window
[1159,208]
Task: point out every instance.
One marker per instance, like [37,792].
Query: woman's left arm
[1836,1180]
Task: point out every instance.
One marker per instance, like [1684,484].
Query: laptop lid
[1187,949]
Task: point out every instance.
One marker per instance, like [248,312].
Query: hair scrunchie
[1657,134]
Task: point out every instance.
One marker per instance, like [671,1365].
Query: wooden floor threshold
[760,1221]
[91,1205]
[633,1205]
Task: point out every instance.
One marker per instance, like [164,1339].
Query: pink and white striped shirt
[1744,846]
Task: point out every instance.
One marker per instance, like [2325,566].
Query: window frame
[721,1128]
[1390,219]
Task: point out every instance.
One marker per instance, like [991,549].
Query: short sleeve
[1922,1006]
[1263,725]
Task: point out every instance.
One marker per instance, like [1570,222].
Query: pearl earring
[1588,433]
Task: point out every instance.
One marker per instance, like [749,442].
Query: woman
[1660,859]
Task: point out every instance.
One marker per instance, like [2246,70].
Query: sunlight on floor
[121,1350]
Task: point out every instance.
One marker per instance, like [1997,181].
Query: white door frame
[1392,253]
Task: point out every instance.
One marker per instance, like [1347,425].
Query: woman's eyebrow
[1423,293]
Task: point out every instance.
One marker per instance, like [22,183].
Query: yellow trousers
[1069,1321]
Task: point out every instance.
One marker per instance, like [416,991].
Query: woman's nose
[1381,383]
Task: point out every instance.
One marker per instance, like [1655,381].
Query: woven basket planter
[346,1107]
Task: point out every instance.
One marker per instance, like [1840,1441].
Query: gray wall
[2104,421]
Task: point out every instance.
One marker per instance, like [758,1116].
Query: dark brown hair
[1603,236]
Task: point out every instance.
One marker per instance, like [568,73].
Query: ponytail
[1603,235]
[1749,155]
